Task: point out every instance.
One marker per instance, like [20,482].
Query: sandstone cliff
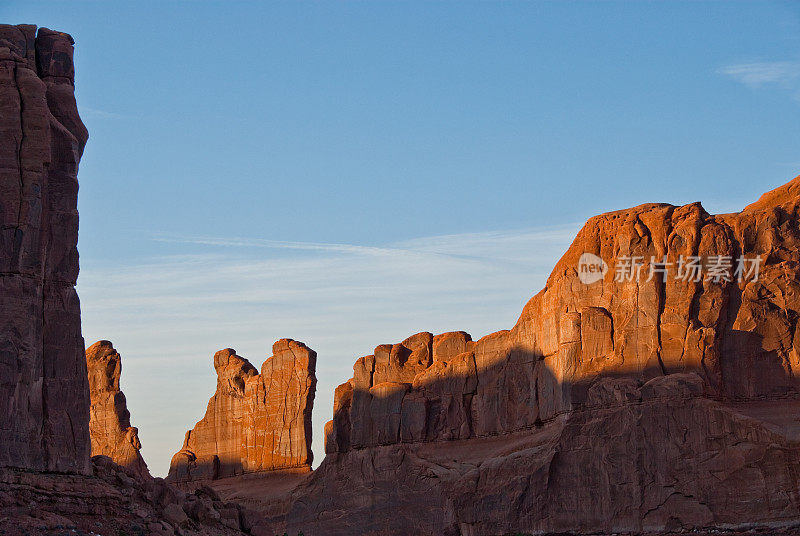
[109,419]
[625,403]
[48,482]
[449,387]
[44,395]
[255,421]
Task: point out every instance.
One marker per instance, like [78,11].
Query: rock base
[113,501]
[663,459]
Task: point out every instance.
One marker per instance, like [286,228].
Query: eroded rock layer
[113,500]
[44,395]
[653,456]
[255,421]
[109,419]
[608,406]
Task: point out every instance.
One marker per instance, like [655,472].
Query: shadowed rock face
[44,395]
[254,422]
[109,419]
[113,501]
[620,404]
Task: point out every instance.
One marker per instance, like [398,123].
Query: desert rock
[255,421]
[647,456]
[49,483]
[658,397]
[111,500]
[109,419]
[738,332]
[44,395]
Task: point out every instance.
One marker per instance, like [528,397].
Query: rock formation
[109,420]
[48,482]
[112,500]
[254,422]
[627,403]
[44,395]
[652,385]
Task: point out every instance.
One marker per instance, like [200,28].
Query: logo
[591,268]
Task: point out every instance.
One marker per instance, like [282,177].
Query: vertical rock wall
[254,422]
[44,395]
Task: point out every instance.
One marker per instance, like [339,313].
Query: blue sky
[349,173]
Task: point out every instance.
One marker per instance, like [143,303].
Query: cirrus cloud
[762,74]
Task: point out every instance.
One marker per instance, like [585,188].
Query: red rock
[619,405]
[48,482]
[571,332]
[109,419]
[44,396]
[175,516]
[337,431]
[111,501]
[615,406]
[254,422]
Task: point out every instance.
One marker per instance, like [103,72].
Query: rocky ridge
[432,388]
[622,404]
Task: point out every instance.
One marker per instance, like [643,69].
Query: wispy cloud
[763,74]
[487,245]
[167,316]
[234,242]
[94,112]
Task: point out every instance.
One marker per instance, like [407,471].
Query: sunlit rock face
[657,395]
[255,422]
[739,333]
[44,394]
[109,419]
